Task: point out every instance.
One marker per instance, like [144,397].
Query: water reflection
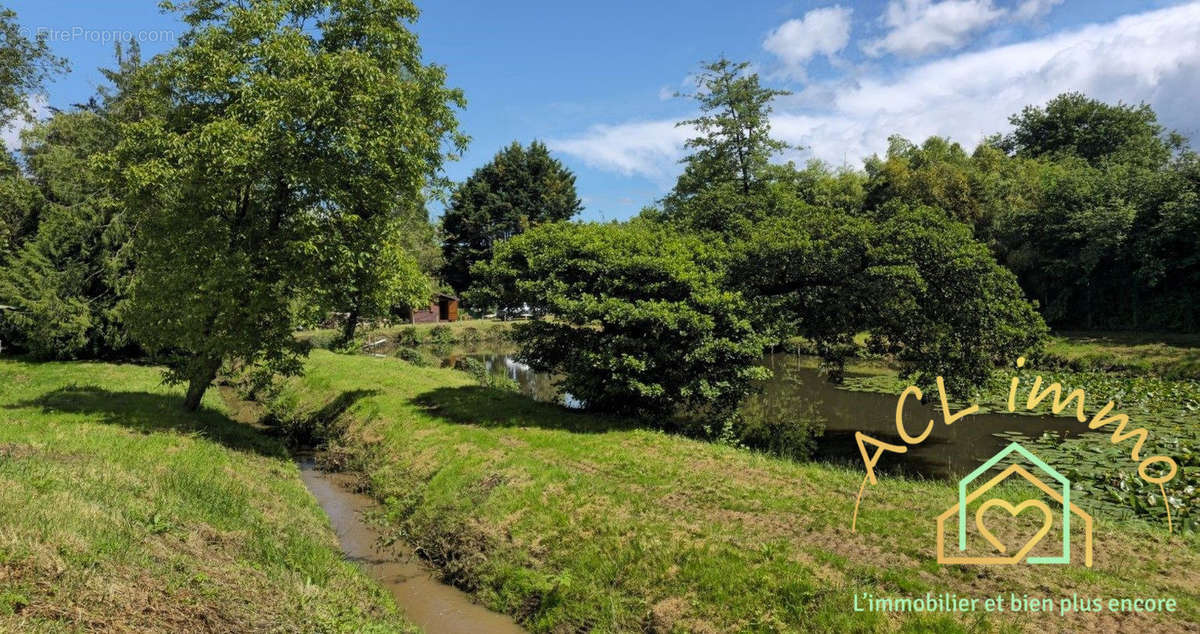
[948,452]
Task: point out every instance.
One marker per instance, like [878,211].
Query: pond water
[949,452]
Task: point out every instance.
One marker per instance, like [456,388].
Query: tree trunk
[198,384]
[350,327]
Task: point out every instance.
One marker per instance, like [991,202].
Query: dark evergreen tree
[519,189]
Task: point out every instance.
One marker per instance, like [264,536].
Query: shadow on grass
[148,413]
[489,407]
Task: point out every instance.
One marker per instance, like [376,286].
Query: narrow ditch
[435,607]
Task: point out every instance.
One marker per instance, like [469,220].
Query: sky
[595,80]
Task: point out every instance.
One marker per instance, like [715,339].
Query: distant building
[441,308]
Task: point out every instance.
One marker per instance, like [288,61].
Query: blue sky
[592,79]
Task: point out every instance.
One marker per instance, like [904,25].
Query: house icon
[1060,494]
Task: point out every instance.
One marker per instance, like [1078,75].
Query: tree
[733,132]
[916,281]
[24,64]
[638,321]
[371,269]
[271,120]
[1072,124]
[67,278]
[518,190]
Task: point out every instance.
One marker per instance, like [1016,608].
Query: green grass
[465,331]
[573,522]
[121,512]
[1172,356]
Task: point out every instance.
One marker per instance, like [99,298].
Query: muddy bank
[434,606]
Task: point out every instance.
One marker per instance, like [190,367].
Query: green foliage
[269,123]
[1072,124]
[733,141]
[441,334]
[725,179]
[408,337]
[1093,206]
[518,190]
[24,64]
[637,319]
[370,271]
[783,427]
[68,277]
[414,356]
[928,293]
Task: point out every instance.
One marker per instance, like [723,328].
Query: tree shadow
[148,413]
[490,407]
[334,409]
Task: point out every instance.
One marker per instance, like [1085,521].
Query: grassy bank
[574,522]
[468,331]
[1170,356]
[120,512]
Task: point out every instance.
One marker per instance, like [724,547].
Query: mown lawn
[573,522]
[120,512]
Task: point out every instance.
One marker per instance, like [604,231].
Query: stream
[436,607]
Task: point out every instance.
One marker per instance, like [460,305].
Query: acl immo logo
[1037,530]
[1059,493]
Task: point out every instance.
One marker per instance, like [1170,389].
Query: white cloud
[1030,10]
[650,148]
[38,107]
[820,32]
[920,27]
[1152,57]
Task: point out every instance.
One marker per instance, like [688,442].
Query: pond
[948,453]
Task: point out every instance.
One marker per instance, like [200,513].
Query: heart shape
[1014,511]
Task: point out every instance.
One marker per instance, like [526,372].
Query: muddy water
[436,607]
[796,386]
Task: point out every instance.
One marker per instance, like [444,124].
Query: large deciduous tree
[276,118]
[519,189]
[641,323]
[1073,124]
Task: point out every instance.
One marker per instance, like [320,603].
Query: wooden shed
[441,308]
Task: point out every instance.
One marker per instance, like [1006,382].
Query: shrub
[408,337]
[441,334]
[476,368]
[413,356]
[479,371]
[788,430]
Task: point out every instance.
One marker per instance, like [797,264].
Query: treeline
[1095,207]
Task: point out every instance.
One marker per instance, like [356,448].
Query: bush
[470,334]
[352,346]
[441,334]
[474,367]
[323,340]
[413,356]
[408,337]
